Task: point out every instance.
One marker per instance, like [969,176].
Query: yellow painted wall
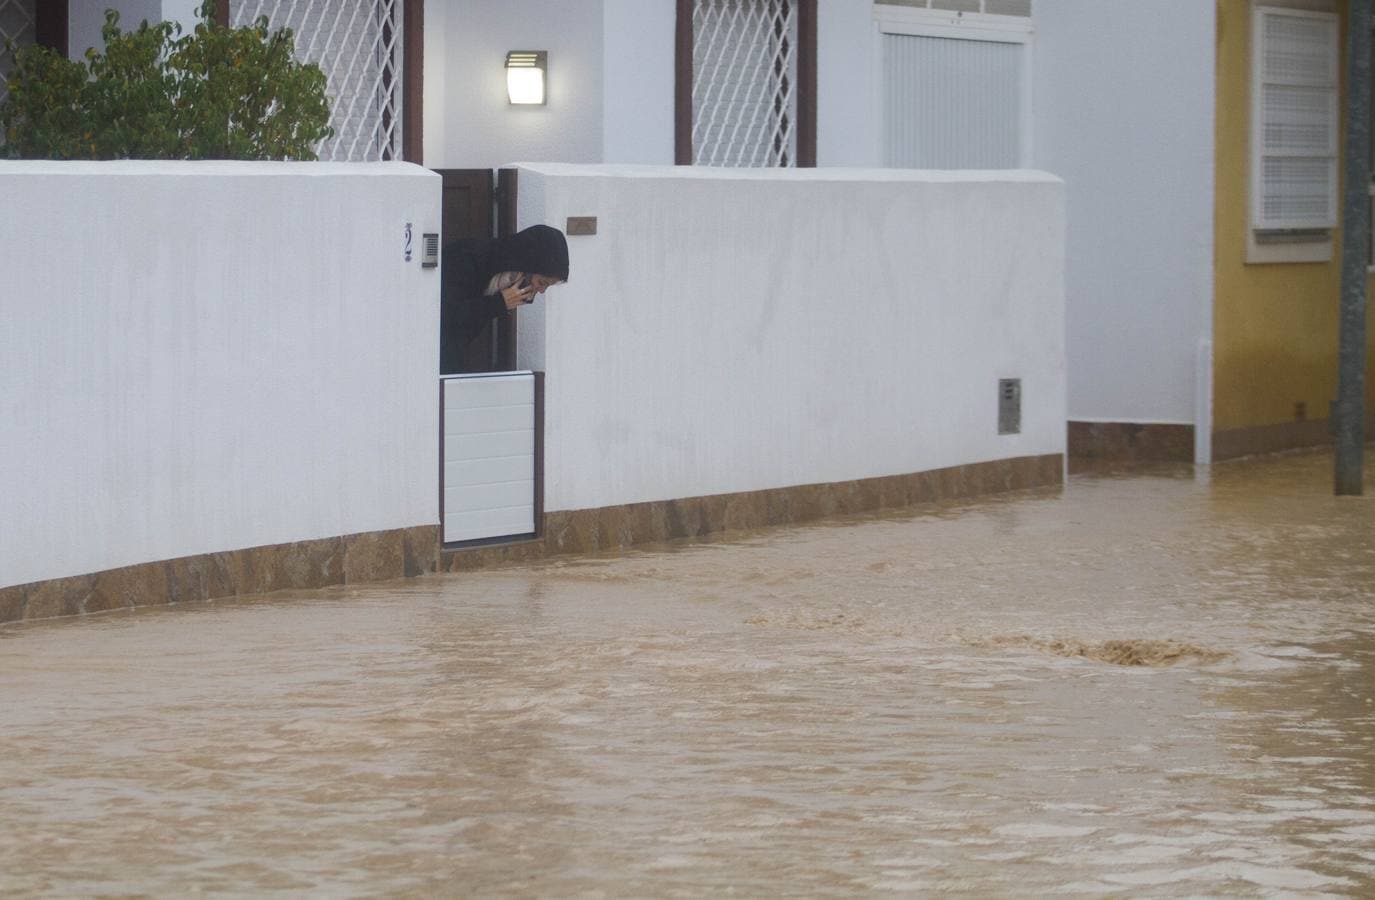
[1275,326]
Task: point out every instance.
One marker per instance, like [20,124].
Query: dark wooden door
[480,203]
[468,211]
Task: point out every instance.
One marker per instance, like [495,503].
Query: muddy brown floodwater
[1159,684]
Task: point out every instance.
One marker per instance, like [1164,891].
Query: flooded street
[1146,685]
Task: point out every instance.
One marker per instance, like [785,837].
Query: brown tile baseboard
[1238,442]
[406,552]
[1094,443]
[618,527]
[347,559]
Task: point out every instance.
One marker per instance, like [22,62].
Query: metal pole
[1350,404]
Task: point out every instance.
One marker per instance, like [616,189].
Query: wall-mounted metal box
[1009,406]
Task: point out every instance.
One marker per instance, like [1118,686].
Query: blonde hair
[501,281]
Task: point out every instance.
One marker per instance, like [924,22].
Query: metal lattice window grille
[358,45]
[744,83]
[17,23]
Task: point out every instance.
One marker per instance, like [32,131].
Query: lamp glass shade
[525,84]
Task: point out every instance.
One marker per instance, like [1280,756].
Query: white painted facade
[211,356]
[1124,100]
[1117,101]
[638,124]
[746,329]
[468,121]
[85,18]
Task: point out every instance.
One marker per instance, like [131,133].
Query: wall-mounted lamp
[525,76]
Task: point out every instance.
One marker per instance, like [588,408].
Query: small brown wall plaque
[580,225]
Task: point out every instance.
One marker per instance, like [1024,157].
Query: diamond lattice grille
[744,77]
[358,45]
[17,19]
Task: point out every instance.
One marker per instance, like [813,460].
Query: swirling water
[1156,684]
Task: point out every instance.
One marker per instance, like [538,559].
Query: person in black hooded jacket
[483,279]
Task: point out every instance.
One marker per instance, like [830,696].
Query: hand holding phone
[520,292]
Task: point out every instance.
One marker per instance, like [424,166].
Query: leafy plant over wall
[154,93]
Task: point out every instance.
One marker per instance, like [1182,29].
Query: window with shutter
[744,65]
[956,85]
[359,45]
[746,92]
[952,103]
[1294,120]
[988,7]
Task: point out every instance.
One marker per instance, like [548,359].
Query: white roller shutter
[952,103]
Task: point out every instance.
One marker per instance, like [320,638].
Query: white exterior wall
[1122,100]
[468,121]
[1122,104]
[734,330]
[636,89]
[1121,109]
[183,12]
[849,88]
[639,82]
[85,18]
[211,356]
[1124,110]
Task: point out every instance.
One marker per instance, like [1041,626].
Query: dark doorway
[480,203]
[50,26]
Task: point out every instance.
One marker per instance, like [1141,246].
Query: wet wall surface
[1157,684]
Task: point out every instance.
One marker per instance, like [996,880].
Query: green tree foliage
[217,93]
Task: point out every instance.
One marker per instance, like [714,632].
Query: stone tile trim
[1128,442]
[1090,443]
[382,555]
[618,527]
[1238,442]
[348,559]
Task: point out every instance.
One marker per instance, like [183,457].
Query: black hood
[537,250]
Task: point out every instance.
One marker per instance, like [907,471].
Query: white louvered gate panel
[744,82]
[358,45]
[17,19]
[1295,105]
[489,456]
[951,103]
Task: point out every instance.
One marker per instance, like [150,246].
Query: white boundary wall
[735,330]
[197,357]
